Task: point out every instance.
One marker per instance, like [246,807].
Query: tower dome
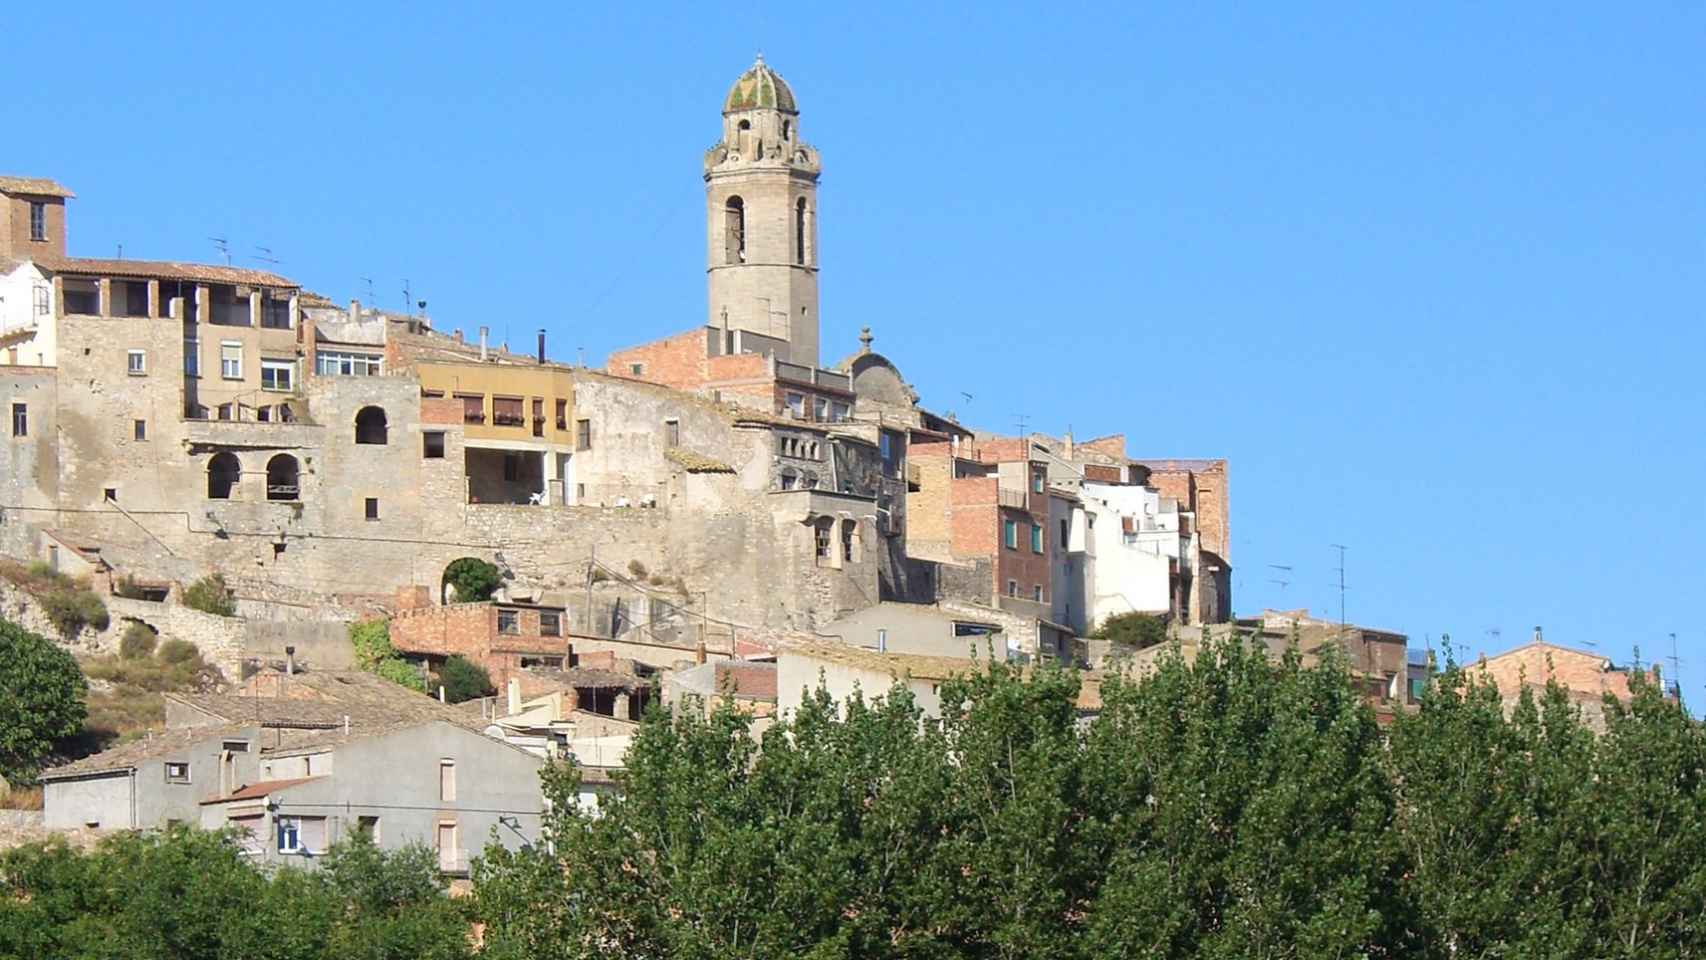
[760,88]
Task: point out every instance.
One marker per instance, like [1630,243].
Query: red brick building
[503,638]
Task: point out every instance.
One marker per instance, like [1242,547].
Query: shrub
[211,595]
[464,680]
[371,640]
[597,575]
[138,641]
[1139,630]
[39,570]
[44,698]
[401,672]
[473,580]
[127,588]
[637,569]
[174,652]
[71,607]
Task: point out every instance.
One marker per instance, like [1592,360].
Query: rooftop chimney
[458,335]
[1537,635]
[483,332]
[355,309]
[541,346]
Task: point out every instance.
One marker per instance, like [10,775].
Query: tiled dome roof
[760,88]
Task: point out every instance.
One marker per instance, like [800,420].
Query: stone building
[332,460]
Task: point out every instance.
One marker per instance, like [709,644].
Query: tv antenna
[224,248]
[408,297]
[1284,575]
[1341,548]
[266,256]
[368,281]
[1021,420]
[1675,668]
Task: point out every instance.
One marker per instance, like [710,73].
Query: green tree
[211,595]
[464,680]
[472,579]
[1139,630]
[371,641]
[45,699]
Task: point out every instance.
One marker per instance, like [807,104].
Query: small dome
[760,88]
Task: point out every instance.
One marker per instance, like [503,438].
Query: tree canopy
[44,699]
[474,580]
[1227,807]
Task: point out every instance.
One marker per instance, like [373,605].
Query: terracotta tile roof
[1165,466]
[34,187]
[695,462]
[154,747]
[255,791]
[165,270]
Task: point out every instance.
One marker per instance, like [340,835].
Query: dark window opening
[283,478]
[508,622]
[538,417]
[672,433]
[370,426]
[223,472]
[473,407]
[562,414]
[550,624]
[432,445]
[139,429]
[38,220]
[506,412]
[800,231]
[583,434]
[110,494]
[20,420]
[734,230]
[373,508]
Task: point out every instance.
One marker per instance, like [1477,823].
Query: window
[38,220]
[449,855]
[1037,481]
[473,407]
[277,375]
[275,312]
[1010,534]
[538,417]
[446,780]
[192,357]
[1037,593]
[1012,588]
[548,663]
[507,412]
[848,528]
[367,827]
[339,363]
[1036,538]
[822,534]
[139,429]
[223,472]
[230,360]
[839,412]
[636,369]
[734,231]
[283,477]
[136,362]
[110,494]
[234,746]
[20,420]
[799,225]
[432,445]
[177,773]
[583,434]
[672,433]
[303,835]
[820,409]
[373,508]
[44,300]
[550,624]
[509,622]
[370,427]
[797,404]
[227,411]
[1064,531]
[562,414]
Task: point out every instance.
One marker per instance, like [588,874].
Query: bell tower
[761,223]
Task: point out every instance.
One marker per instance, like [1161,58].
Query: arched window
[370,425]
[787,129]
[223,472]
[800,231]
[734,230]
[282,478]
[745,125]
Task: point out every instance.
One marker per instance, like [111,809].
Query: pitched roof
[255,791]
[153,747]
[747,681]
[165,270]
[34,187]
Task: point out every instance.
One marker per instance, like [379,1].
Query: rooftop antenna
[1284,578]
[408,297]
[1341,548]
[580,354]
[121,251]
[224,248]
[1021,420]
[265,256]
[369,282]
[1675,668]
[966,395]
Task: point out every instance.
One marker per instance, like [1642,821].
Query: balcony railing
[1009,497]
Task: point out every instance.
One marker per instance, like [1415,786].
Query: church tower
[761,223]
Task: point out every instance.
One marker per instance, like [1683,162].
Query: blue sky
[1432,278]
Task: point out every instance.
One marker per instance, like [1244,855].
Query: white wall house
[1137,542]
[26,317]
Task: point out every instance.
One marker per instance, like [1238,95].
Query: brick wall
[677,361]
[470,631]
[1536,664]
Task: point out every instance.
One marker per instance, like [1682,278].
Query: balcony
[1011,497]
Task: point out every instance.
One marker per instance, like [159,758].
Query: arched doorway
[223,473]
[370,425]
[282,478]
